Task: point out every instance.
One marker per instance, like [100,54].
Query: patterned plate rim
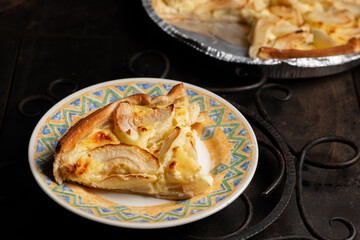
[213,209]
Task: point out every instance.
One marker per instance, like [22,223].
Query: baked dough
[279,28]
[137,144]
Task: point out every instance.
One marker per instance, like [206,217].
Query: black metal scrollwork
[289,177]
[258,101]
[286,154]
[144,68]
[51,97]
[247,221]
[281,163]
[69,85]
[299,196]
[259,76]
[33,98]
[303,158]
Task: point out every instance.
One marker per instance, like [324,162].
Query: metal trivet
[290,160]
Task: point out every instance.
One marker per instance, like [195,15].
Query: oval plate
[226,146]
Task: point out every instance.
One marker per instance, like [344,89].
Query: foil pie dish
[232,46]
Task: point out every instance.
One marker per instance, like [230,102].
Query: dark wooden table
[67,44]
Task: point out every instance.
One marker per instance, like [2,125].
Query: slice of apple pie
[137,144]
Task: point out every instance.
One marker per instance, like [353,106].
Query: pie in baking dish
[279,28]
[137,144]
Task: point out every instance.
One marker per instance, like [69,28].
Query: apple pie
[137,144]
[279,28]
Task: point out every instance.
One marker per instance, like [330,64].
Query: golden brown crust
[355,42]
[138,99]
[274,53]
[177,92]
[78,131]
[84,126]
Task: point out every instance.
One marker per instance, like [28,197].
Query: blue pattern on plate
[214,103]
[145,86]
[45,130]
[99,93]
[121,87]
[57,116]
[75,103]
